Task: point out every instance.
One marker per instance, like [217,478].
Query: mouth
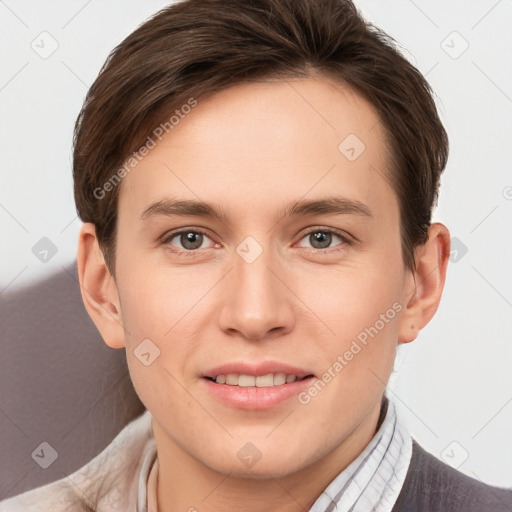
[256,386]
[259,381]
[265,391]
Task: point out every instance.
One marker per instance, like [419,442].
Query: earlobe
[425,285]
[99,289]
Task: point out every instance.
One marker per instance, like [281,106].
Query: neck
[186,484]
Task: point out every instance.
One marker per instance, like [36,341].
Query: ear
[99,289]
[425,285]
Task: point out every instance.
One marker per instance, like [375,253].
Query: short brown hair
[195,48]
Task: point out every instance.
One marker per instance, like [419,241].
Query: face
[300,277]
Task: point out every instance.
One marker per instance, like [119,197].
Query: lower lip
[252,397]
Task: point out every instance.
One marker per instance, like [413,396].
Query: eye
[321,238]
[189,239]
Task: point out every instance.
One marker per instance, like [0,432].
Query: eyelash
[346,241]
[180,252]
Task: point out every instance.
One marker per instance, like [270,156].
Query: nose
[256,302]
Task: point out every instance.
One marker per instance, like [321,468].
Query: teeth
[265,381]
[262,381]
[232,379]
[246,380]
[280,378]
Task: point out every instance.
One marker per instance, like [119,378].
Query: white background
[453,384]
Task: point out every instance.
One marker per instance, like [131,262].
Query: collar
[371,483]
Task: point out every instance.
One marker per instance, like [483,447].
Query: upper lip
[256,369]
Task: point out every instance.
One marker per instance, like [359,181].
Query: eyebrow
[334,205]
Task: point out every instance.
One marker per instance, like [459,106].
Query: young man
[256,181]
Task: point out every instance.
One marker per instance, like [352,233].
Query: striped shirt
[371,483]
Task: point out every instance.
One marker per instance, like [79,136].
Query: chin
[261,472]
[259,469]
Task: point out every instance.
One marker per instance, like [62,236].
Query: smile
[260,381]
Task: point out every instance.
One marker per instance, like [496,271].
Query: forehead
[263,144]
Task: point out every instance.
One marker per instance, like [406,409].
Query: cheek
[158,345]
[155,297]
[358,360]
[358,311]
[348,300]
[163,316]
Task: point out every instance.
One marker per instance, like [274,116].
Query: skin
[253,149]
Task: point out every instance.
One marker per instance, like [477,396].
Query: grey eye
[189,240]
[320,239]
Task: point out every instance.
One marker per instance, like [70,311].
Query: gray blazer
[433,486]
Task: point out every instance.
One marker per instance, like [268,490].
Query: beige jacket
[121,473]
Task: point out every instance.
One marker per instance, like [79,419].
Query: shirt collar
[371,483]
